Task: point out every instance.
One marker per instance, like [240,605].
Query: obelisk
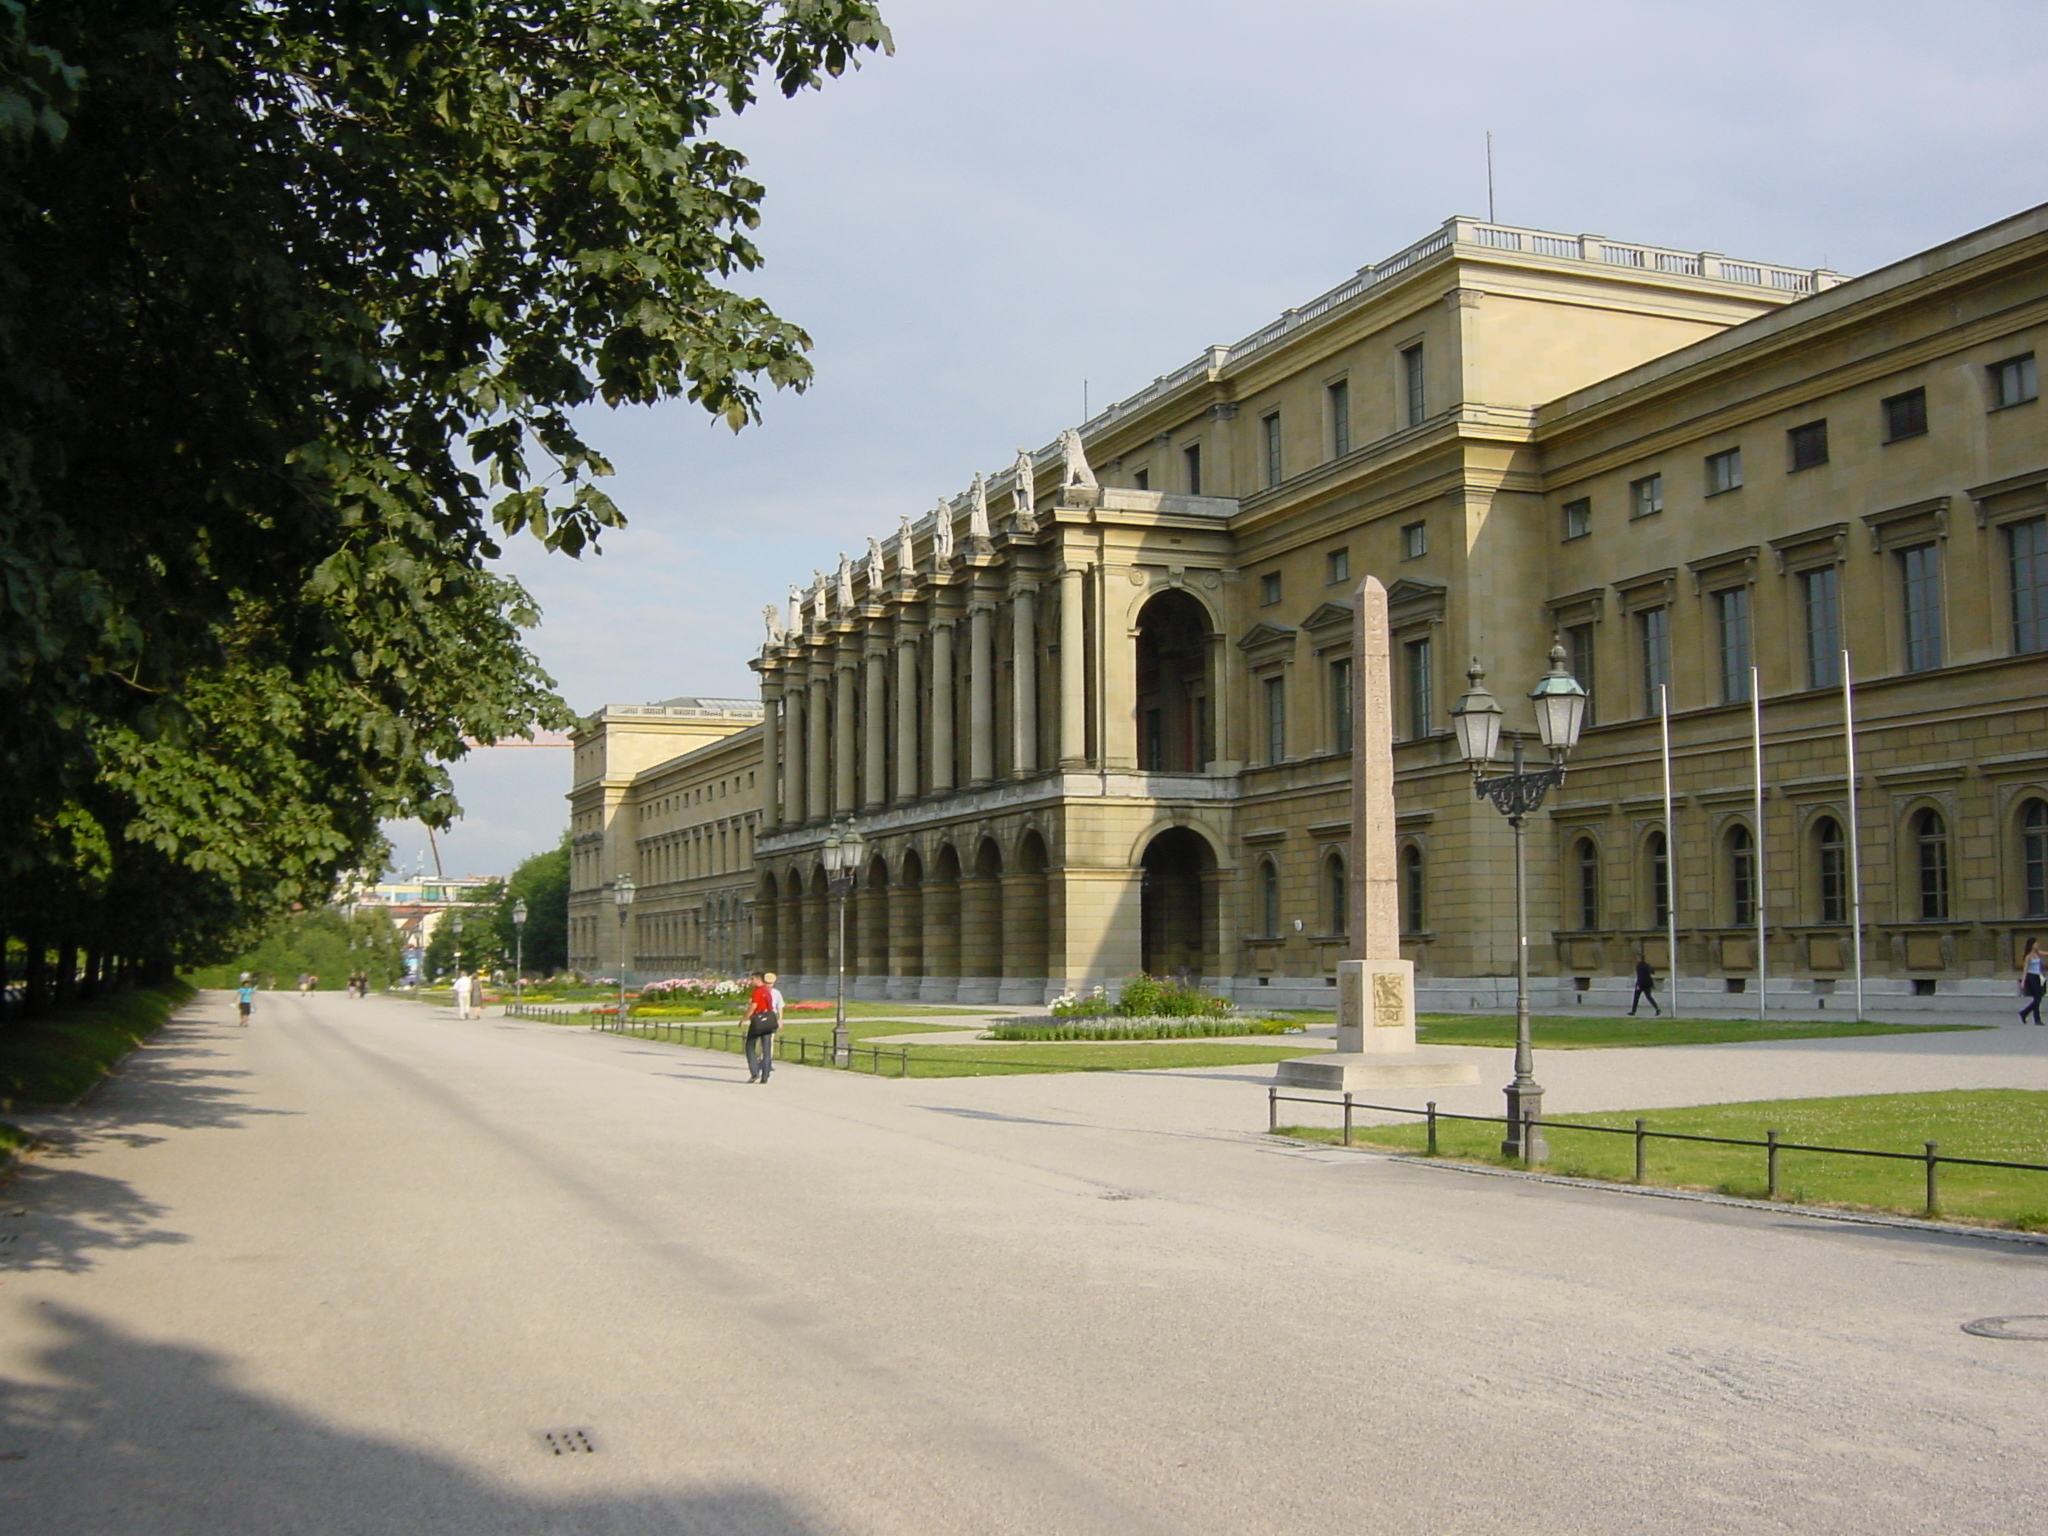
[1375,989]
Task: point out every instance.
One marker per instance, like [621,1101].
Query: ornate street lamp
[1560,703]
[843,849]
[518,952]
[622,898]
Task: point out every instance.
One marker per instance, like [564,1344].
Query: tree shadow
[67,1218]
[153,1439]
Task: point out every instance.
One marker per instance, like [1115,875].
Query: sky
[1029,207]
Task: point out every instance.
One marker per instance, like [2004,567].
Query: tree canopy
[297,301]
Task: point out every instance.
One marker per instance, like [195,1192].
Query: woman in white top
[463,988]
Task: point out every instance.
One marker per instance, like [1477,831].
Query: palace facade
[1095,716]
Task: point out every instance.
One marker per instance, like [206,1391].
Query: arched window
[1413,910]
[1586,861]
[2034,858]
[1831,861]
[1657,851]
[1741,876]
[1930,837]
[1269,899]
[1336,894]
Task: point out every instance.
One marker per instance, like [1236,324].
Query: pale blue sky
[1027,197]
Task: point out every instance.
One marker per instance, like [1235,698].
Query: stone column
[844,789]
[874,723]
[771,751]
[816,714]
[1073,747]
[793,775]
[981,693]
[1024,683]
[981,949]
[906,936]
[906,718]
[942,707]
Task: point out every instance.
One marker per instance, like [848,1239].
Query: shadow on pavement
[152,1439]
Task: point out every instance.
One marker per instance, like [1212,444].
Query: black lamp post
[455,923]
[518,952]
[1560,703]
[843,849]
[622,897]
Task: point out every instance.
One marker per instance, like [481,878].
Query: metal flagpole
[1670,859]
[1855,833]
[1756,866]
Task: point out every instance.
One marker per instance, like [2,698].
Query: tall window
[2034,858]
[1340,704]
[1578,645]
[1336,894]
[1414,541]
[1808,445]
[1269,588]
[1191,456]
[1658,852]
[1413,912]
[1586,861]
[1832,861]
[1653,643]
[1269,899]
[1731,617]
[1339,397]
[1578,518]
[1920,580]
[1820,596]
[1930,840]
[1141,479]
[2026,554]
[1337,565]
[2013,381]
[1724,471]
[1646,496]
[1414,399]
[1420,673]
[1276,718]
[1741,876]
[1271,426]
[1905,415]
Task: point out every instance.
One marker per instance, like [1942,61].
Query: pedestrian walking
[764,1018]
[463,989]
[1646,988]
[2031,982]
[245,999]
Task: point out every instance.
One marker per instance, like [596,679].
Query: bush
[1144,997]
[1150,1028]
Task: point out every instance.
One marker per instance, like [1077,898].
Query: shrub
[1144,997]
[1148,1028]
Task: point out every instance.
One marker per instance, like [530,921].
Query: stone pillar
[844,790]
[793,775]
[906,937]
[1024,932]
[981,693]
[1117,674]
[816,716]
[941,937]
[874,729]
[1024,683]
[942,708]
[981,948]
[1073,747]
[819,916]
[771,751]
[906,718]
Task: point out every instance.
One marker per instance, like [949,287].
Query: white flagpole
[1756,737]
[1855,834]
[1670,859]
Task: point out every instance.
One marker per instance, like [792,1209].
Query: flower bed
[1112,1028]
[1144,997]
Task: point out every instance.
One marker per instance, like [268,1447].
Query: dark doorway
[1178,904]
[1173,685]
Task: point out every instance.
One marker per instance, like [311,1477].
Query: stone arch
[1826,842]
[2029,843]
[1173,653]
[942,913]
[1929,862]
[1178,905]
[872,947]
[1334,893]
[981,923]
[906,918]
[1654,889]
[1027,919]
[1737,872]
[818,917]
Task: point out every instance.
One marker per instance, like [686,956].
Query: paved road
[339,1273]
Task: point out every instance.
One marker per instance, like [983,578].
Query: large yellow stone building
[1094,717]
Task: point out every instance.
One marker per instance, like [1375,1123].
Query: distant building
[416,906]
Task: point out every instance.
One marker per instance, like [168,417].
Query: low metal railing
[1772,1145]
[721,1037]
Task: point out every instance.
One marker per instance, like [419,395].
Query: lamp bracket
[1516,795]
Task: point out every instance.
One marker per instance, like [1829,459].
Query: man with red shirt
[764,1018]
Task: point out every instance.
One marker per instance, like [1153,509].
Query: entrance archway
[1179,905]
[1173,685]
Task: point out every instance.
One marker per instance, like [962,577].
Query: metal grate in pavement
[568,1442]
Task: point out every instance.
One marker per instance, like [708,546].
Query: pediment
[1265,634]
[1328,614]
[1409,590]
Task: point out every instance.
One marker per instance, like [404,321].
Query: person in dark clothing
[1646,988]
[2031,983]
[764,1018]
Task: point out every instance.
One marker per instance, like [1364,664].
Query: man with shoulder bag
[764,1018]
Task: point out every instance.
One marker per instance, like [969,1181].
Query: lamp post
[1560,703]
[622,898]
[455,926]
[843,848]
[518,952]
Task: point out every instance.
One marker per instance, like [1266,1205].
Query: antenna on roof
[1489,177]
[1084,399]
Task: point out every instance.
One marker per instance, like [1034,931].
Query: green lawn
[53,1060]
[2004,1124]
[1575,1034]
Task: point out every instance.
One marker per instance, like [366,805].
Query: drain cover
[568,1442]
[2034,1328]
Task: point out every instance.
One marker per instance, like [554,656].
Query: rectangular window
[1414,399]
[1724,471]
[1142,479]
[1340,704]
[1920,582]
[1421,680]
[2026,554]
[1646,496]
[1271,426]
[1269,588]
[1337,565]
[1578,518]
[1414,540]
[1191,456]
[1653,641]
[2013,382]
[1276,718]
[1820,594]
[1905,415]
[1808,445]
[1339,395]
[1578,645]
[1731,620]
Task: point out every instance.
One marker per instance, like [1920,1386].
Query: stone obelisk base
[1375,1038]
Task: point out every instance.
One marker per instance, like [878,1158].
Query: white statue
[906,562]
[771,617]
[874,571]
[1077,471]
[977,509]
[796,612]
[942,534]
[817,595]
[844,594]
[1024,488]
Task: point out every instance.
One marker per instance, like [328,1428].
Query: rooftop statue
[843,594]
[942,534]
[796,612]
[1076,470]
[1024,488]
[977,509]
[906,561]
[874,571]
[771,617]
